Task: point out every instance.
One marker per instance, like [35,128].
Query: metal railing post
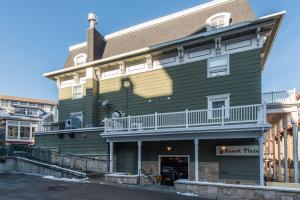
[155,121]
[186,118]
[223,113]
[128,123]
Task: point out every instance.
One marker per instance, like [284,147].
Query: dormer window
[80,59]
[218,20]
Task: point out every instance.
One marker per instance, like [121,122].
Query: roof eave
[277,16]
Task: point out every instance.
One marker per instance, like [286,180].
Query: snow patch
[187,194]
[84,180]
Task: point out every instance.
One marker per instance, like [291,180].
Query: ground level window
[24,132]
[16,130]
[12,132]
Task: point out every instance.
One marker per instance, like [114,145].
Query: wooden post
[111,157]
[261,160]
[196,143]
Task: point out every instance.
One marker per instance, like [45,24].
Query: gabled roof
[171,27]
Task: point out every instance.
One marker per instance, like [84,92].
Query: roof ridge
[35,100]
[166,18]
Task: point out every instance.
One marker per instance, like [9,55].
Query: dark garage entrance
[173,168]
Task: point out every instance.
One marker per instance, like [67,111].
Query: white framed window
[218,66]
[4,103]
[78,115]
[80,59]
[215,104]
[218,20]
[77,91]
[20,130]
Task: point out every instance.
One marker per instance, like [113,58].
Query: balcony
[287,97]
[238,115]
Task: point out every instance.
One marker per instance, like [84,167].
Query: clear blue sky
[35,36]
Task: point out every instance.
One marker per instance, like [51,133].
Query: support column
[294,120]
[111,157]
[261,160]
[286,168]
[279,153]
[139,156]
[196,142]
[296,159]
[274,153]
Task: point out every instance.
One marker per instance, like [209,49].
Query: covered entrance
[173,168]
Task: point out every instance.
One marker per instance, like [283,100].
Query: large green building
[181,93]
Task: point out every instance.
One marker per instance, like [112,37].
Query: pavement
[28,187]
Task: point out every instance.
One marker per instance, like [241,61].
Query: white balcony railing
[189,118]
[288,96]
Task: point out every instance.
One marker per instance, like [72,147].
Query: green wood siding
[93,143]
[88,104]
[184,87]
[126,157]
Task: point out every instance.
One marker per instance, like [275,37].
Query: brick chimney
[95,41]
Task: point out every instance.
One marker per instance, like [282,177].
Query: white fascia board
[167,18]
[145,49]
[273,15]
[77,46]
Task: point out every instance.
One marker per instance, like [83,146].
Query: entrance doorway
[173,168]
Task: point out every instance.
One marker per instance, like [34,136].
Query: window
[21,111]
[215,105]
[218,20]
[32,112]
[12,131]
[24,132]
[4,103]
[77,91]
[80,59]
[218,66]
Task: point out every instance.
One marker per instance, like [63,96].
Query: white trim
[219,97]
[142,50]
[169,155]
[273,14]
[226,16]
[168,18]
[77,46]
[210,60]
[154,47]
[18,124]
[75,59]
[82,90]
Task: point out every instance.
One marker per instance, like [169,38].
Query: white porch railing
[288,96]
[194,118]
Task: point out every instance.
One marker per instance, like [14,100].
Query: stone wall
[23,165]
[230,191]
[93,163]
[128,179]
[209,171]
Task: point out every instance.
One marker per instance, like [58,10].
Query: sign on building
[249,150]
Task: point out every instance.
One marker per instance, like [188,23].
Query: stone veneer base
[231,191]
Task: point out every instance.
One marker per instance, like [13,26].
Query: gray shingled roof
[171,30]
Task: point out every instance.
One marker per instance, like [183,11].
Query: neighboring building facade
[179,93]
[21,117]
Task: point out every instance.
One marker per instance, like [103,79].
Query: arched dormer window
[218,20]
[80,59]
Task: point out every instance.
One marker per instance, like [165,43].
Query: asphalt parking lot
[26,187]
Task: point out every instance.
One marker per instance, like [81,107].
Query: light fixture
[169,148]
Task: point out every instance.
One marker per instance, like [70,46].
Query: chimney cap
[92,20]
[92,16]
